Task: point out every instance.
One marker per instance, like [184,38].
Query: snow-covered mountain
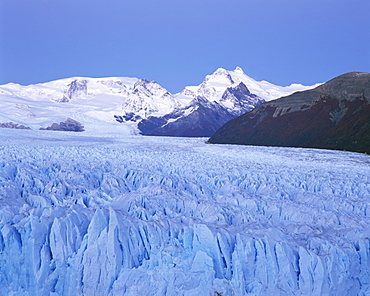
[228,95]
[153,216]
[132,105]
[91,101]
[214,86]
[219,98]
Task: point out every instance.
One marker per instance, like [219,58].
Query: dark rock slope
[335,115]
[69,125]
[202,120]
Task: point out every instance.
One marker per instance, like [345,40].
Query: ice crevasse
[157,216]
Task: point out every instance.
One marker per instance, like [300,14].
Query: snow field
[84,215]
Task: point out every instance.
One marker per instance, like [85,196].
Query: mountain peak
[221,75]
[356,74]
[221,71]
[348,86]
[141,82]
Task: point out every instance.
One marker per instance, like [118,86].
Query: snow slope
[92,215]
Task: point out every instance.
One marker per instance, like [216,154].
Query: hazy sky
[178,42]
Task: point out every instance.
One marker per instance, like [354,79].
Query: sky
[178,42]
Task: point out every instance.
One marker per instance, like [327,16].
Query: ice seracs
[129,215]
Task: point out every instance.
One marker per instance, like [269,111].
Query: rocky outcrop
[242,99]
[70,125]
[76,88]
[13,125]
[335,115]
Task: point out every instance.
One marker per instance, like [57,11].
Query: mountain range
[334,115]
[135,106]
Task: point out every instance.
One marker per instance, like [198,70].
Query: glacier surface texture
[89,215]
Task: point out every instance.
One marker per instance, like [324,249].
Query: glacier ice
[132,215]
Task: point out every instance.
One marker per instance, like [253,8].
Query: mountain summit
[334,115]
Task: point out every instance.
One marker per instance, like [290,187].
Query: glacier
[133,215]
